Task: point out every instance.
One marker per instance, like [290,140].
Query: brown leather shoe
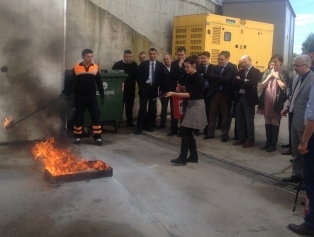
[287,152]
[302,229]
[248,144]
[239,142]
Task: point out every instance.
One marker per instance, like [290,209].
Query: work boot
[98,142]
[77,140]
[268,129]
[274,138]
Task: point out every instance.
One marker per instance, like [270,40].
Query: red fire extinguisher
[177,103]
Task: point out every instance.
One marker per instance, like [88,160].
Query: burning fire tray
[82,175]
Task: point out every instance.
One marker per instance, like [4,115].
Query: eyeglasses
[298,65]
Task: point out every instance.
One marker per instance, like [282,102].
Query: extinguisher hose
[297,195]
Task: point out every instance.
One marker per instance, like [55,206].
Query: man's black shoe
[155,126]
[286,146]
[138,131]
[130,124]
[171,133]
[149,129]
[208,137]
[161,126]
[302,229]
[224,139]
[292,179]
[197,132]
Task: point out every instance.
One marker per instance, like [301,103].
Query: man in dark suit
[204,69]
[130,68]
[165,100]
[246,99]
[177,76]
[221,95]
[151,77]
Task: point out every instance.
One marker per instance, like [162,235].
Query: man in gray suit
[300,96]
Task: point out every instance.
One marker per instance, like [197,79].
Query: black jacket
[130,69]
[224,79]
[177,75]
[254,76]
[160,77]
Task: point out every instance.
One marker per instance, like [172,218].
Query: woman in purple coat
[272,100]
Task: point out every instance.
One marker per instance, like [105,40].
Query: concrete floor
[147,196]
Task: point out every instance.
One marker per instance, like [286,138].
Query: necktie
[246,72]
[153,72]
[221,70]
[295,94]
[242,91]
[206,85]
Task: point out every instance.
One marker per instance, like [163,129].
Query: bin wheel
[116,127]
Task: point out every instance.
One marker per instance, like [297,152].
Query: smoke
[31,48]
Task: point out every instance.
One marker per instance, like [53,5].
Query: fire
[7,121]
[61,162]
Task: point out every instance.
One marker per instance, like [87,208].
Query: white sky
[304,22]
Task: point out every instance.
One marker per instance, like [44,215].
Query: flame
[7,121]
[61,162]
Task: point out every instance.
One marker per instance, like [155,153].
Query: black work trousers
[146,118]
[128,100]
[82,102]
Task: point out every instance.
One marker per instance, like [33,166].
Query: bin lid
[112,73]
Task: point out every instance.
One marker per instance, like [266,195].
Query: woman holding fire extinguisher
[194,115]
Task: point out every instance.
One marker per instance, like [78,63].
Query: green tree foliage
[308,44]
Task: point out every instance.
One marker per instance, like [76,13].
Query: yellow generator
[215,33]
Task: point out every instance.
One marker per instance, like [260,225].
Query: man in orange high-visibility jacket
[86,76]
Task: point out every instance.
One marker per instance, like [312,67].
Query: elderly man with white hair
[246,99]
[300,96]
[302,135]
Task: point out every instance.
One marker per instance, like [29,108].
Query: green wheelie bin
[112,109]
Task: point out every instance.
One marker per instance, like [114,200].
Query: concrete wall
[271,12]
[154,18]
[89,26]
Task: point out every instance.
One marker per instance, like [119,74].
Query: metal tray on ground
[82,175]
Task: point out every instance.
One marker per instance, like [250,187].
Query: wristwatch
[302,142]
